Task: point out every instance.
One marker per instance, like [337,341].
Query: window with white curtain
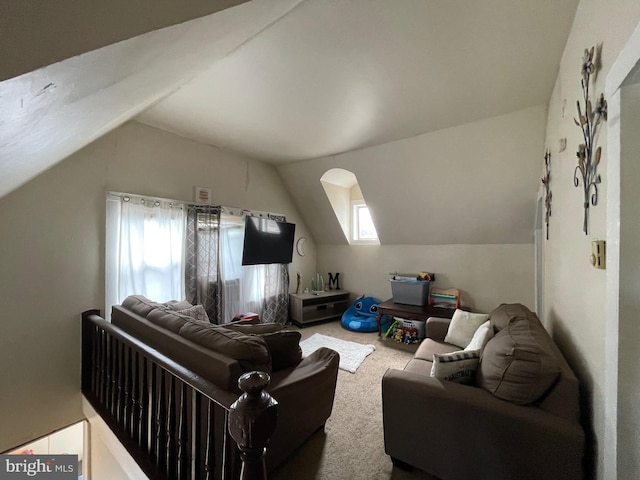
[144,249]
[244,286]
[167,250]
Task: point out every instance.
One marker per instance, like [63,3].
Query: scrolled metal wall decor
[588,120]
[546,181]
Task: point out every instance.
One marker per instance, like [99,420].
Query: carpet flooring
[352,444]
[352,354]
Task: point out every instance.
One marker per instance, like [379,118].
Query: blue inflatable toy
[361,316]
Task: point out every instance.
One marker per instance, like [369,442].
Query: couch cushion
[462,327]
[250,351]
[284,347]
[140,304]
[428,347]
[518,364]
[459,367]
[257,328]
[166,318]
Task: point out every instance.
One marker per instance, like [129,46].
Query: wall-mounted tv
[267,241]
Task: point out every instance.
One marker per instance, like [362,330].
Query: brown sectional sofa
[304,388]
[519,420]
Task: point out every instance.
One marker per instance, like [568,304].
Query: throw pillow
[481,337]
[177,305]
[166,318]
[197,312]
[284,347]
[462,327]
[459,367]
[507,313]
[519,364]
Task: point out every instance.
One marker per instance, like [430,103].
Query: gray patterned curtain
[275,307]
[202,263]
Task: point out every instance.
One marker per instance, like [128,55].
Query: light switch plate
[598,254]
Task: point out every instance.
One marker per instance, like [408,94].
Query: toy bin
[419,325]
[410,292]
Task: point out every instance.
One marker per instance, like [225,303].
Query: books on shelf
[445,298]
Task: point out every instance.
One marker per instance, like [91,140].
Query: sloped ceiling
[438,107]
[308,81]
[334,76]
[49,113]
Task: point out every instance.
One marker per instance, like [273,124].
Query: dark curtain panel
[202,264]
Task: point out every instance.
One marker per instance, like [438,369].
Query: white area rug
[352,354]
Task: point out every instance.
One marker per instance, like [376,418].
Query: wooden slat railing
[172,422]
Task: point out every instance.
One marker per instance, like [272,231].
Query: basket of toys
[406,331]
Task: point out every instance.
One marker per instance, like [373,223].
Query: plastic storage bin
[410,292]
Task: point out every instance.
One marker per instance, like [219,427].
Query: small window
[363,230]
[347,201]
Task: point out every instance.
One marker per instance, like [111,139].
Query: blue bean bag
[361,315]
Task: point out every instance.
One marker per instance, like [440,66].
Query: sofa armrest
[305,395]
[437,328]
[495,437]
[303,378]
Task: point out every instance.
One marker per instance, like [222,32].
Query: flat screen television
[267,241]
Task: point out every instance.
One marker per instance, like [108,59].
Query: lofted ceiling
[284,81]
[333,76]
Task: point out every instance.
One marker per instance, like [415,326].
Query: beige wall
[109,459]
[52,254]
[426,189]
[628,392]
[487,275]
[471,184]
[574,291]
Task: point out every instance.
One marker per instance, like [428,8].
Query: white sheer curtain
[243,286]
[144,249]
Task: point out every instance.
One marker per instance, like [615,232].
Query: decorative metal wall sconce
[546,181]
[588,120]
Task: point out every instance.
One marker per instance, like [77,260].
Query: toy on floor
[361,315]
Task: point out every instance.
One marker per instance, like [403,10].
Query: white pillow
[459,367]
[462,327]
[483,334]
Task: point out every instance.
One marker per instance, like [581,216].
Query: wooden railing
[172,422]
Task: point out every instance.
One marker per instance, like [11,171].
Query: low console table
[410,312]
[307,308]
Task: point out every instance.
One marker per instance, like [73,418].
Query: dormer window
[346,199]
[362,228]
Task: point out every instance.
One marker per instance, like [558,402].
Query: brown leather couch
[519,420]
[304,388]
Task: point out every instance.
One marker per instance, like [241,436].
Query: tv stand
[308,308]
